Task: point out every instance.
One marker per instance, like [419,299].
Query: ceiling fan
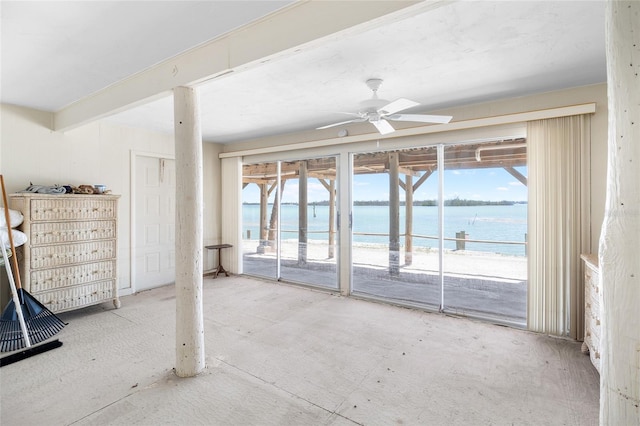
[378,111]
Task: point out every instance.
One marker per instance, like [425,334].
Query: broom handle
[14,295]
[7,219]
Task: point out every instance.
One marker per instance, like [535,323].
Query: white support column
[189,233]
[619,260]
[345,183]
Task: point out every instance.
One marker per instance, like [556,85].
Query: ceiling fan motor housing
[373,105]
[374,84]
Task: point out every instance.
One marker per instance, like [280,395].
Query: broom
[37,323]
[12,338]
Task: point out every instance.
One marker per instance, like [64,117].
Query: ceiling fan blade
[356,120]
[396,106]
[383,126]
[420,117]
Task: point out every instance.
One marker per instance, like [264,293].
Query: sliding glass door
[485,225]
[308,233]
[453,241]
[294,223]
[443,227]
[260,219]
[395,226]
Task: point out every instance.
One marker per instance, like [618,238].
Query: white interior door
[154,222]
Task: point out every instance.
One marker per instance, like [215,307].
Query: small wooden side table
[219,268]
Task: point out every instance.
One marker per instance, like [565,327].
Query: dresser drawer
[75,297]
[67,276]
[591,280]
[69,232]
[67,254]
[73,209]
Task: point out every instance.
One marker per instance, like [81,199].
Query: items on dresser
[592,308]
[70,258]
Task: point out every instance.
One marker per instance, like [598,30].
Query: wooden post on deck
[394,214]
[332,218]
[189,230]
[264,202]
[331,187]
[408,226]
[273,222]
[302,213]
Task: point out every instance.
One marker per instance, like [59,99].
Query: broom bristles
[43,326]
[12,338]
[40,328]
[41,323]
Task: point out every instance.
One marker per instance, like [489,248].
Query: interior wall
[212,201]
[586,94]
[98,153]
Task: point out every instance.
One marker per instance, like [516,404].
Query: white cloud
[502,188]
[515,183]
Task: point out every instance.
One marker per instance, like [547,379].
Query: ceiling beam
[296,27]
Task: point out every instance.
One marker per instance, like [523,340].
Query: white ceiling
[55,53]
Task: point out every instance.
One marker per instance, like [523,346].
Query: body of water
[487,223]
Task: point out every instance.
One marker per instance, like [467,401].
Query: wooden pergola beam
[516,174]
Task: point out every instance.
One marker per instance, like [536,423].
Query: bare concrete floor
[282,355]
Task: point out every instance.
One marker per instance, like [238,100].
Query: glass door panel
[395,217]
[308,220]
[485,225]
[259,219]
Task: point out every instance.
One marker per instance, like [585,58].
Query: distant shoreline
[456,202]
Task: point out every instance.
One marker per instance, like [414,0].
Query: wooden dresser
[592,308]
[70,259]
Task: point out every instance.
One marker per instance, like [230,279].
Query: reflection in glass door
[298,243]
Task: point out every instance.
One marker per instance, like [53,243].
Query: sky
[472,184]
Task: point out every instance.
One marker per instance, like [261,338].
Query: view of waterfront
[504,223]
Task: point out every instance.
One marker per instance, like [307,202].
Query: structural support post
[302,213]
[264,234]
[331,187]
[272,235]
[619,260]
[394,214]
[190,359]
[408,226]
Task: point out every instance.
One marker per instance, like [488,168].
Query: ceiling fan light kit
[379,111]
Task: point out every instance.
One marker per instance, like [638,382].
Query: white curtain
[559,223]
